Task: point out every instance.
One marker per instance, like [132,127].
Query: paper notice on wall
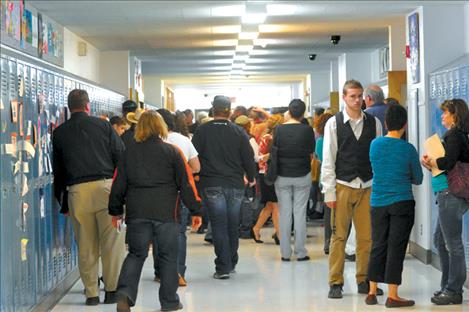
[42,208]
[1,104]
[34,30]
[25,167]
[24,188]
[24,249]
[27,147]
[10,149]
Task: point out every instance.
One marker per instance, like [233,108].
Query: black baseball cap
[221,102]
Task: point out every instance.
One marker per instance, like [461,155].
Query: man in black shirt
[225,156]
[86,151]
[128,106]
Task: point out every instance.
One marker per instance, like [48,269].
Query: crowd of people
[142,178]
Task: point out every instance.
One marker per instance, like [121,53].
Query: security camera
[312,57]
[335,39]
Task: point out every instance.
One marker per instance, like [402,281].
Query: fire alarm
[82,48]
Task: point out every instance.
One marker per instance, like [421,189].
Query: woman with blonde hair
[150,178]
[268,196]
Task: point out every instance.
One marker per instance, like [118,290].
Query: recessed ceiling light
[228,10]
[248,35]
[244,48]
[253,18]
[280,9]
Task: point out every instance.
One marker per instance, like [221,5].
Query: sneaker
[208,240]
[92,301]
[392,303]
[364,288]
[182,281]
[350,258]
[285,259]
[447,297]
[179,307]
[110,297]
[371,300]
[222,276]
[305,258]
[335,292]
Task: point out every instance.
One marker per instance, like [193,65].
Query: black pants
[390,230]
[140,233]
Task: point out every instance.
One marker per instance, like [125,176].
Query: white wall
[83,66]
[354,66]
[320,86]
[437,48]
[152,88]
[114,71]
[374,60]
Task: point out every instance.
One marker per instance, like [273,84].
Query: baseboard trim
[49,301]
[420,253]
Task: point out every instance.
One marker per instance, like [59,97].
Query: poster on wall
[25,29]
[414,47]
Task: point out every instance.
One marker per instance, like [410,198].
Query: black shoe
[285,259]
[326,251]
[437,292]
[201,230]
[208,240]
[335,292]
[110,297]
[391,303]
[179,307]
[123,305]
[221,276]
[92,301]
[371,300]
[257,240]
[446,297]
[275,237]
[305,258]
[350,258]
[364,288]
[157,278]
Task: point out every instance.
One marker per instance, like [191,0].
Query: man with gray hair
[374,101]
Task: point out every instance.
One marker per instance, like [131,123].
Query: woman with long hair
[268,196]
[151,177]
[451,208]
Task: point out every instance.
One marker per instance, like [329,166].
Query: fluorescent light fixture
[224,53]
[253,18]
[261,42]
[241,57]
[227,29]
[244,48]
[280,9]
[248,35]
[228,10]
[238,65]
[236,72]
[225,43]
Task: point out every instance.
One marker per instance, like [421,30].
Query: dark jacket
[225,154]
[150,178]
[456,144]
[128,136]
[85,149]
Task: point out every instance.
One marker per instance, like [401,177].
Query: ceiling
[196,40]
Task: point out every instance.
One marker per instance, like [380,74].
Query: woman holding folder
[451,208]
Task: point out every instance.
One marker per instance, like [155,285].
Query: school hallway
[264,283]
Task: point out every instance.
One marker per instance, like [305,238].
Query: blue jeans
[140,233]
[448,240]
[223,206]
[182,238]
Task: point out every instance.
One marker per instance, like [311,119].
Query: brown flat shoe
[371,300]
[392,303]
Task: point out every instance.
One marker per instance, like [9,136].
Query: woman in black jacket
[150,179]
[451,208]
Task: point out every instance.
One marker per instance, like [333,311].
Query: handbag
[315,169]
[272,163]
[458,179]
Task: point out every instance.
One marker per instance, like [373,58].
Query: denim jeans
[140,233]
[223,206]
[182,251]
[448,240]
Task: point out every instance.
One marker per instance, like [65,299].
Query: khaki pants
[95,235]
[352,204]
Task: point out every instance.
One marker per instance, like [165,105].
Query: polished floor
[264,283]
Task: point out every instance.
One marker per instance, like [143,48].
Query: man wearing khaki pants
[346,178]
[86,150]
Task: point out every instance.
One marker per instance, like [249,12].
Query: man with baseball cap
[225,157]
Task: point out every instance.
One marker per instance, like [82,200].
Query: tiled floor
[264,283]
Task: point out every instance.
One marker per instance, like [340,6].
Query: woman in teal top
[396,167]
[451,208]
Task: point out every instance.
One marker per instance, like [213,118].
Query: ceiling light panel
[253,18]
[248,35]
[225,43]
[226,29]
[280,9]
[228,10]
